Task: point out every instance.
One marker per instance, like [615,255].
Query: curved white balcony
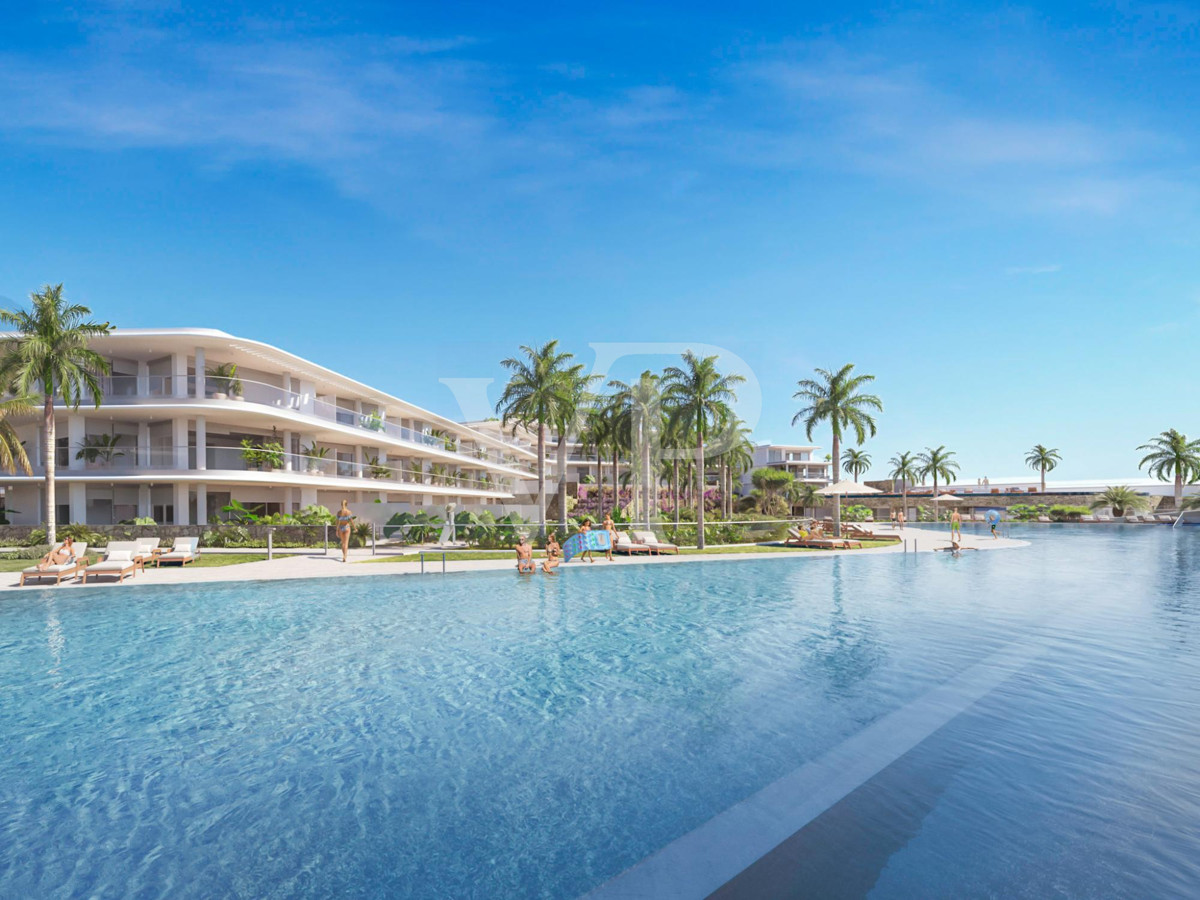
[161,389]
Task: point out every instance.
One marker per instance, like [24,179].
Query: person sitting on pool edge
[524,556]
[553,552]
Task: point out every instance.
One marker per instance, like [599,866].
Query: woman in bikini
[611,528]
[344,518]
[59,556]
[553,551]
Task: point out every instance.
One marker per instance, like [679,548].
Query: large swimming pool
[487,736]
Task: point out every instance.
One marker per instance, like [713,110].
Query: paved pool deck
[306,565]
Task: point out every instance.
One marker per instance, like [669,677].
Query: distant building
[800,460]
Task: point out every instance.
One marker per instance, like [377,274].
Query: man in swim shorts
[955,526]
[524,556]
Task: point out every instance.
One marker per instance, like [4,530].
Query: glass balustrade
[132,389]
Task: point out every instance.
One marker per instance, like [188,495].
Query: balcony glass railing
[233,459]
[132,389]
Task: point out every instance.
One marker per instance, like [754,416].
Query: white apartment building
[799,459]
[169,440]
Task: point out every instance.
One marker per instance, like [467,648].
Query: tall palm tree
[535,394]
[640,419]
[855,461]
[698,398]
[1172,455]
[575,397]
[1042,458]
[49,358]
[937,462]
[595,436]
[905,469]
[834,397]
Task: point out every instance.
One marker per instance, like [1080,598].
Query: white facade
[177,433]
[801,460]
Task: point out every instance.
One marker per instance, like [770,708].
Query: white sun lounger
[650,539]
[117,563]
[184,551]
[1087,518]
[58,573]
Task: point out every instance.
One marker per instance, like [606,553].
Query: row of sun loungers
[647,542]
[121,560]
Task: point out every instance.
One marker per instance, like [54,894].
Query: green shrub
[1063,513]
[37,537]
[37,551]
[855,513]
[1024,512]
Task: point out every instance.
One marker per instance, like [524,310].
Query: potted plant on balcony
[315,456]
[373,421]
[267,455]
[227,385]
[375,469]
[98,448]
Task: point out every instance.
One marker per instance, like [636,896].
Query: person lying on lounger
[59,556]
[524,556]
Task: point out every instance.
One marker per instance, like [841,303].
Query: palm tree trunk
[1043,479]
[48,461]
[616,486]
[837,476]
[675,488]
[1178,488]
[651,492]
[935,500]
[562,480]
[599,483]
[700,488]
[541,450]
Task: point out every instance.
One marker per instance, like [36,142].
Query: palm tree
[937,462]
[12,451]
[698,398]
[535,394]
[856,461]
[834,397]
[1044,459]
[803,494]
[639,419]
[1120,498]
[595,436]
[1172,455]
[48,358]
[573,401]
[905,469]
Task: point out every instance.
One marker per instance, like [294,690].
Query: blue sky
[992,210]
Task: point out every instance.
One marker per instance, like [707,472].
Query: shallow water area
[484,735]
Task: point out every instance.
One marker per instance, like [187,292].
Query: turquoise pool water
[488,736]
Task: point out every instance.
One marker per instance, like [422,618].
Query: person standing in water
[344,518]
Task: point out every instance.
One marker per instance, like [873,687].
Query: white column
[181,503]
[143,501]
[179,374]
[179,440]
[200,367]
[358,460]
[143,446]
[287,446]
[77,497]
[143,376]
[308,393]
[202,504]
[201,444]
[76,431]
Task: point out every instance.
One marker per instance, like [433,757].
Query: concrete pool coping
[310,566]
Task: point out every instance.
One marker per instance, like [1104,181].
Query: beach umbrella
[847,487]
[948,498]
